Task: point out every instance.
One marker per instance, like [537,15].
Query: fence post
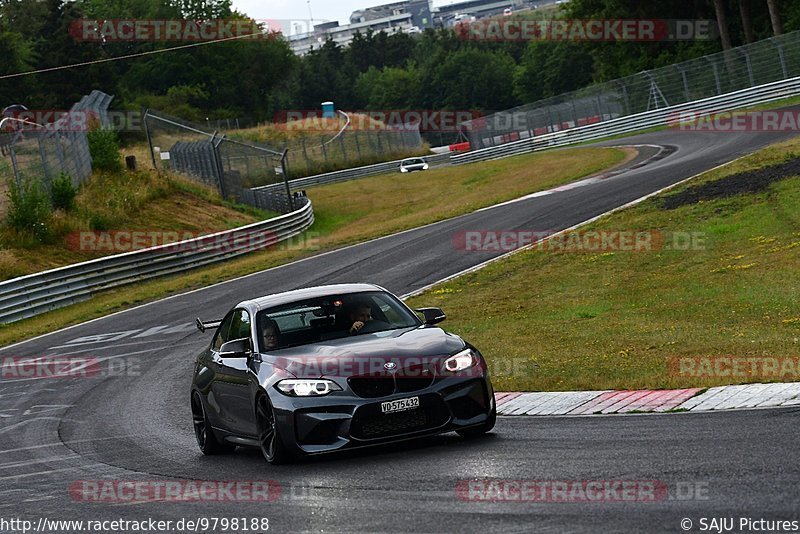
[716,75]
[14,164]
[781,57]
[358,145]
[284,161]
[324,150]
[749,66]
[43,157]
[627,101]
[344,150]
[149,140]
[685,82]
[223,190]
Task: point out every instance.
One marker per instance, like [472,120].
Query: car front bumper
[345,420]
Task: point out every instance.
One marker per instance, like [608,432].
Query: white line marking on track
[42,473]
[23,463]
[58,443]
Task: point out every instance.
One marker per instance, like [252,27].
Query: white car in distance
[413,164]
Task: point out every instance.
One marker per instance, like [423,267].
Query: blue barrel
[327,110]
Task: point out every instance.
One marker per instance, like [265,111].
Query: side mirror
[432,315]
[238,348]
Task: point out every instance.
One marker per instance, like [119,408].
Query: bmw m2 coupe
[329,368]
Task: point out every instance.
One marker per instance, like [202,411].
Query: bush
[99,222]
[62,193]
[29,210]
[104,148]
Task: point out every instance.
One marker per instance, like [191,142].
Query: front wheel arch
[269,432]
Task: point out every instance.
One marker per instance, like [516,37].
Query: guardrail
[38,293]
[350,174]
[752,96]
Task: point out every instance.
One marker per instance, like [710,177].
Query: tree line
[258,78]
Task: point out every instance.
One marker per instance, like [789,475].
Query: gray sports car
[327,368]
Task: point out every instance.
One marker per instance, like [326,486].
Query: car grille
[372,386]
[405,380]
[370,423]
[414,378]
[392,423]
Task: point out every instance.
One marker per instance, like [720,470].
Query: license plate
[400,405]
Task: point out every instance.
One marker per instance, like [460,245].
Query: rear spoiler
[203,326]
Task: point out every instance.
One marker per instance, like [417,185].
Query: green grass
[356,211]
[556,321]
[122,201]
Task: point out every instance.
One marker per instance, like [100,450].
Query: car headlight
[460,361]
[307,388]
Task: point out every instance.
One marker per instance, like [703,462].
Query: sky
[322,10]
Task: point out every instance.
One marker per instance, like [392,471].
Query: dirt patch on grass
[744,182]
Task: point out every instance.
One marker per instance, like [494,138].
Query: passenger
[270,334]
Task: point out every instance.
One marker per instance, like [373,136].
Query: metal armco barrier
[352,174]
[736,100]
[38,293]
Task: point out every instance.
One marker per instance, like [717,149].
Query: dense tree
[257,78]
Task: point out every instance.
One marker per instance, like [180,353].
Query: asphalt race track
[136,425]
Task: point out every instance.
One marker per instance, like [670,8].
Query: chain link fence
[309,155]
[33,151]
[234,167]
[770,60]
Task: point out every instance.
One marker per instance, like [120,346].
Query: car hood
[366,354]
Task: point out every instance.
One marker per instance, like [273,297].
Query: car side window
[240,325]
[222,332]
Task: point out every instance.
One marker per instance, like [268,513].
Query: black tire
[482,429]
[271,445]
[206,438]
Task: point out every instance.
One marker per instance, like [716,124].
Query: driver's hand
[358,325]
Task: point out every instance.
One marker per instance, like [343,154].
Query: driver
[359,316]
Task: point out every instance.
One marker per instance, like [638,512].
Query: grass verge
[553,320]
[121,201]
[355,211]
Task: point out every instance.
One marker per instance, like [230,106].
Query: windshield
[333,317]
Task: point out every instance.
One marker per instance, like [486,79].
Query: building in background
[408,16]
